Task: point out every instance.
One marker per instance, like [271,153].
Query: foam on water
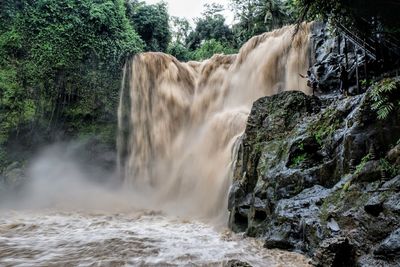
[50,238]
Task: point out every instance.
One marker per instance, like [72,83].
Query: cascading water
[178,126]
[179,121]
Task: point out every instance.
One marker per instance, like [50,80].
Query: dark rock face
[329,50]
[325,182]
[390,247]
[236,263]
[335,252]
[325,50]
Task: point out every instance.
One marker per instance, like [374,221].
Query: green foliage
[60,64]
[320,9]
[73,48]
[364,161]
[385,166]
[326,126]
[151,23]
[298,160]
[211,26]
[15,107]
[211,35]
[180,28]
[365,83]
[324,132]
[385,97]
[179,51]
[210,48]
[300,155]
[301,146]
[347,185]
[390,169]
[258,16]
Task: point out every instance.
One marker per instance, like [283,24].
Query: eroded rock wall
[320,176]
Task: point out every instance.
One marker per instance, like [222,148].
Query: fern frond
[384,97]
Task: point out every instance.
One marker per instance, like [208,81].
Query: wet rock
[327,66]
[394,155]
[390,247]
[236,195]
[393,184]
[297,222]
[328,49]
[303,204]
[333,225]
[236,263]
[313,181]
[374,206]
[368,261]
[265,123]
[370,172]
[392,203]
[304,152]
[277,241]
[335,252]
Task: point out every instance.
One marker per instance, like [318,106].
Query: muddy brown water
[51,238]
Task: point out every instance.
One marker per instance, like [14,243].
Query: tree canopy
[151,23]
[257,16]
[210,26]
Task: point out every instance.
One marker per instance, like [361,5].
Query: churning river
[53,238]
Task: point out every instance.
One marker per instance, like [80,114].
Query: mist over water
[178,126]
[68,216]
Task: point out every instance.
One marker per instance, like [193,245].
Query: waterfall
[178,121]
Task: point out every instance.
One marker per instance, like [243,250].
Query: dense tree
[257,16]
[179,51]
[151,23]
[60,65]
[210,48]
[210,36]
[180,29]
[210,26]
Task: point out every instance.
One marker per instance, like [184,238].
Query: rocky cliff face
[320,176]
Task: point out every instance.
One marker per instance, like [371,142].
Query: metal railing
[358,42]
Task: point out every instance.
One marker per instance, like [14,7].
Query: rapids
[49,238]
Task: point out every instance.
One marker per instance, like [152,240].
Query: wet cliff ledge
[320,176]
